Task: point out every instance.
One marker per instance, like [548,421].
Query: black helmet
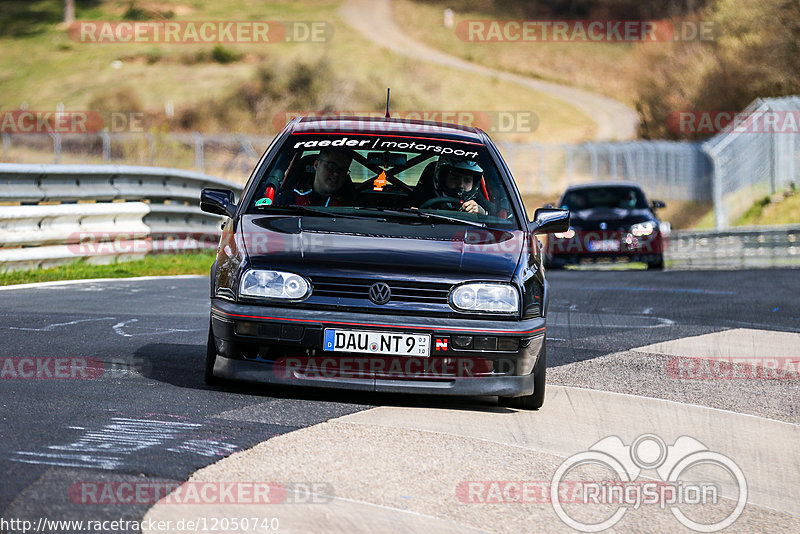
[461,166]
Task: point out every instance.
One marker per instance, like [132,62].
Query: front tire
[551,265]
[211,358]
[535,400]
[657,264]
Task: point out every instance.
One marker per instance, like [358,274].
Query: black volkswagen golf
[381,255]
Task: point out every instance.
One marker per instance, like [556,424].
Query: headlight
[569,234]
[645,228]
[494,298]
[274,285]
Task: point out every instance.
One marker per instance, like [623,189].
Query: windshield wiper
[317,211]
[426,215]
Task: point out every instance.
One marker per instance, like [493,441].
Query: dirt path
[373,19]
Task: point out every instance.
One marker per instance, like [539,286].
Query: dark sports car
[381,255]
[608,221]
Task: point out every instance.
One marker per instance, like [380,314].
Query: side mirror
[549,220]
[218,201]
[657,204]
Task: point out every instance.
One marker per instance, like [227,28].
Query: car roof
[380,125]
[597,185]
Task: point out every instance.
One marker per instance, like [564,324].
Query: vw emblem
[380,293]
[603,226]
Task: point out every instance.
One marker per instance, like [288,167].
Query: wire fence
[757,156]
[669,170]
[224,155]
[678,171]
[732,169]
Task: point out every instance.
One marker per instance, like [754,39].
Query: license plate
[371,342]
[605,245]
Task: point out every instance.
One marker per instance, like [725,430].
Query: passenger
[331,185]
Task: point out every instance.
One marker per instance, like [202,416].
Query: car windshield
[389,176]
[604,197]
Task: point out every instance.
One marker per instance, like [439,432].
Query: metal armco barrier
[104,212]
[746,248]
[101,213]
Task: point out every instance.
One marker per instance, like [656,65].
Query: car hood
[303,244]
[614,218]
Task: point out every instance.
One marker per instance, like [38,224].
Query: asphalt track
[144,414]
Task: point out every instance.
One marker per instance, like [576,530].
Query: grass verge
[153,75]
[773,210]
[155,265]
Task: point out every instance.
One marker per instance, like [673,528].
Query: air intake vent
[402,291]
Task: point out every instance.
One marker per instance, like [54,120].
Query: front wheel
[535,400]
[657,264]
[211,358]
[551,265]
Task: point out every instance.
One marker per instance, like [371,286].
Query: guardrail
[743,248]
[63,213]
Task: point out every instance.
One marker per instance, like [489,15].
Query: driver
[459,179]
[331,184]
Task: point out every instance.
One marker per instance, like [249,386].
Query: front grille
[402,290]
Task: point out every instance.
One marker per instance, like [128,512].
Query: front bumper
[284,346]
[593,246]
[595,257]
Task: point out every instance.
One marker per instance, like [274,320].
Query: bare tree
[69,11]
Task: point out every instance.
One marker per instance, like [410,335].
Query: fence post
[56,147]
[106,145]
[541,177]
[593,159]
[199,158]
[568,163]
[774,163]
[720,218]
[151,148]
[613,151]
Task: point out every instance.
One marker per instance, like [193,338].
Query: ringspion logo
[678,467]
